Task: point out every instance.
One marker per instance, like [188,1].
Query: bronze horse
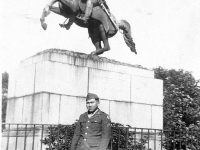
[100,25]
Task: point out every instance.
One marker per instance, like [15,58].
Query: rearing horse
[100,25]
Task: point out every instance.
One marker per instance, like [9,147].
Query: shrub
[60,136]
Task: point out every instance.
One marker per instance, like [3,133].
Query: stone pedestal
[50,88]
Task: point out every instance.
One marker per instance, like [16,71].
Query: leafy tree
[181,107]
[5,78]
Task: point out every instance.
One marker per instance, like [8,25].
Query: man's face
[92,104]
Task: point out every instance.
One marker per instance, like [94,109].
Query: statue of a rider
[102,26]
[89,7]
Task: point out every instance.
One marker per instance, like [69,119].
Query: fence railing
[58,137]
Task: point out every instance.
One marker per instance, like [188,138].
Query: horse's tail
[125,26]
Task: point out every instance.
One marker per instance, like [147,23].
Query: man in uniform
[93,129]
[89,7]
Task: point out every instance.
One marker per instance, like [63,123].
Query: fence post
[25,137]
[33,137]
[118,139]
[127,137]
[161,139]
[8,137]
[16,137]
[155,139]
[135,138]
[148,138]
[174,142]
[42,136]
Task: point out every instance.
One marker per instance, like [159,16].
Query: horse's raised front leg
[45,13]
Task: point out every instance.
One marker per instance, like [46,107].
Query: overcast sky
[166,33]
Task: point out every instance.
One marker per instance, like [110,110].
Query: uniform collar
[98,112]
[94,111]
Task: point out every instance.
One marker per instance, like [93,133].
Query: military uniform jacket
[94,131]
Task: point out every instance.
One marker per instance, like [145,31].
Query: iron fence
[58,137]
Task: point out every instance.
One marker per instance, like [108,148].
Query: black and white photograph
[100,74]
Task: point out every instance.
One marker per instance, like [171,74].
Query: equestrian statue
[94,15]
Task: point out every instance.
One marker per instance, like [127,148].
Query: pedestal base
[51,87]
